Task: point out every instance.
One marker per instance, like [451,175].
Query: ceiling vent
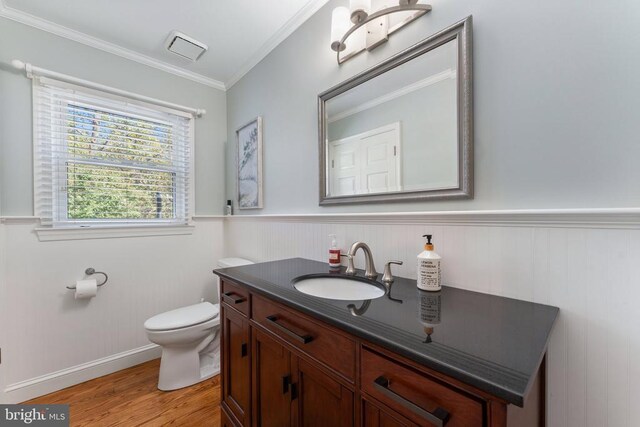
[185,46]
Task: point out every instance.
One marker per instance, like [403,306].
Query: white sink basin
[339,288]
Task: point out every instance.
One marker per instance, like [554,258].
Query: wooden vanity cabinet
[288,390]
[225,420]
[284,368]
[376,415]
[272,379]
[235,364]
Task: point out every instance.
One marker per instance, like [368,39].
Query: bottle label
[429,274]
[430,308]
[334,256]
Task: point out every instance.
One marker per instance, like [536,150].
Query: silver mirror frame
[460,31]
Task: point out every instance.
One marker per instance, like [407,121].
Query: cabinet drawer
[420,398]
[235,296]
[322,343]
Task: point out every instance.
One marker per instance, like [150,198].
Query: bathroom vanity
[407,358]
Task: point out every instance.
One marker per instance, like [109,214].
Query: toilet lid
[233,262]
[182,317]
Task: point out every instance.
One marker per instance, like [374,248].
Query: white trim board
[46,234]
[39,386]
[30,218]
[625,218]
[622,218]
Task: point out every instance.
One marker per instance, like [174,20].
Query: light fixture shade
[339,26]
[359,10]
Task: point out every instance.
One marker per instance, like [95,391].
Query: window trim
[105,228]
[49,234]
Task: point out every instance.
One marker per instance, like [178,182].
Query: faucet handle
[350,267]
[387,277]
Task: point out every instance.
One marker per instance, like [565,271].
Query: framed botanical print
[249,167]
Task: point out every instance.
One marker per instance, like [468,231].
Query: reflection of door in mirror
[366,163]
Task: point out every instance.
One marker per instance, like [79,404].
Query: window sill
[48,234]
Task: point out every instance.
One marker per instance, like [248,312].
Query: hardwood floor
[131,398]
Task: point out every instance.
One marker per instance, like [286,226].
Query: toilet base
[181,367]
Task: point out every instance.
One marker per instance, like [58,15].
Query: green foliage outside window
[118,167]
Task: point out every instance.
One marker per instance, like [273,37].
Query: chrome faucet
[370,269]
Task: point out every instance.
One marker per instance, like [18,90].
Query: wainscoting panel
[588,269]
[51,340]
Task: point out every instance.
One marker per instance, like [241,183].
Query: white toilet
[189,339]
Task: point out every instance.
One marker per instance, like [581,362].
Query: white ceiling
[239,33]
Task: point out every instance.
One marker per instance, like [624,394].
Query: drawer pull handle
[286,382]
[304,339]
[438,417]
[229,297]
[243,350]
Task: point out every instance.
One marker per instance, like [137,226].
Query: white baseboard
[45,384]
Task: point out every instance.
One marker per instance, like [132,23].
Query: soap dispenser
[429,267]
[334,253]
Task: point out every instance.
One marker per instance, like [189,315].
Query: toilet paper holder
[90,272]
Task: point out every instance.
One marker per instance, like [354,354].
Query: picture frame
[249,165]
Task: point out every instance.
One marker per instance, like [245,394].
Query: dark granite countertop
[493,343]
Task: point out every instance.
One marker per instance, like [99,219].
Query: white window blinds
[105,160]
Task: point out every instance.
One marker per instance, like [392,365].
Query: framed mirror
[403,129]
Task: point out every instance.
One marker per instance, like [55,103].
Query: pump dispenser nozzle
[428,246]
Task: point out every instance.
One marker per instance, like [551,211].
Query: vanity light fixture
[366,28]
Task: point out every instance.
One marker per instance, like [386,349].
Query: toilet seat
[182,317]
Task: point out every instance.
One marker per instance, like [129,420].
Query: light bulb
[339,26]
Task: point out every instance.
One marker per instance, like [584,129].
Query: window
[106,160]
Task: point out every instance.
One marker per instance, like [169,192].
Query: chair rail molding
[623,218]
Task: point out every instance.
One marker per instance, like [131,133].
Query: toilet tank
[233,262]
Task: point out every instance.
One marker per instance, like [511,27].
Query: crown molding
[77,36]
[616,218]
[285,31]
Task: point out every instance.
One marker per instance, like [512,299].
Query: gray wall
[45,50]
[556,100]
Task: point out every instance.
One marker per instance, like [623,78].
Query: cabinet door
[321,401]
[225,420]
[236,364]
[272,386]
[373,416]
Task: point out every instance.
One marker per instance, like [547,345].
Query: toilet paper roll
[86,288]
